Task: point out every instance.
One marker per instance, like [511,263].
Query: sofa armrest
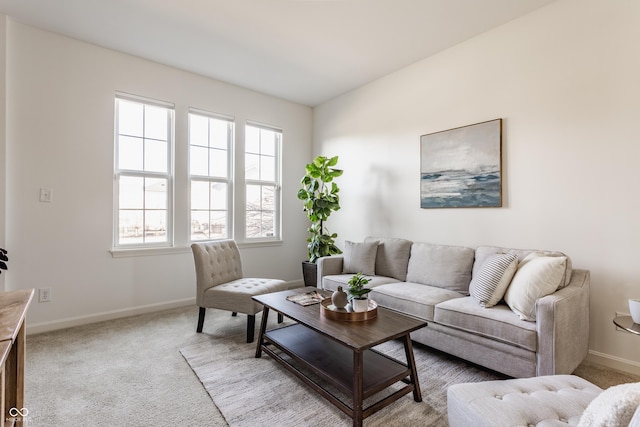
[328,266]
[562,322]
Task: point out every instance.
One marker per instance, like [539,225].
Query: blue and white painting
[461,168]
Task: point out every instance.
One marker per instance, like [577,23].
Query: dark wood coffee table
[340,352]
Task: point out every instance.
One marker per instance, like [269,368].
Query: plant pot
[310,273]
[360,304]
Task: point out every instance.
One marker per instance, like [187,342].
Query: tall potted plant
[320,198]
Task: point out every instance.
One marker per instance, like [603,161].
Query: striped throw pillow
[493,279]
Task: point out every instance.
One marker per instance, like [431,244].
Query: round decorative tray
[330,311]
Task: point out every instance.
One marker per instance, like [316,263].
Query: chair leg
[280,318]
[201,319]
[234,313]
[251,326]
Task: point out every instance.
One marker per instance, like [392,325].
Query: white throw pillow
[613,407]
[537,276]
[491,282]
[360,258]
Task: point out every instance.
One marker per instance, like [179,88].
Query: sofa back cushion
[392,257]
[447,267]
[484,252]
[359,257]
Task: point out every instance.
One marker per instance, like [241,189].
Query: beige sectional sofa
[452,287]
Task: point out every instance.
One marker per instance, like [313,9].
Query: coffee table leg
[411,363]
[357,388]
[263,327]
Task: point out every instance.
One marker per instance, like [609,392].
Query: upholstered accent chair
[220,283]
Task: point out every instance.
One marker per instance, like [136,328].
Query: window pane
[155,156]
[130,153]
[268,198]
[198,130]
[267,168]
[199,225]
[155,122]
[218,196]
[218,227]
[267,224]
[218,163]
[219,134]
[130,118]
[268,143]
[155,229]
[252,166]
[200,195]
[131,226]
[198,161]
[252,140]
[155,193]
[131,195]
[253,198]
[253,224]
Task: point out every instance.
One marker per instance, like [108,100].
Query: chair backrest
[216,263]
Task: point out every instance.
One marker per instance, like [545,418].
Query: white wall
[565,81]
[60,103]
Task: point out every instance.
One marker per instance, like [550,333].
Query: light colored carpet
[130,372]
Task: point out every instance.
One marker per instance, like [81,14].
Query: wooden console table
[13,310]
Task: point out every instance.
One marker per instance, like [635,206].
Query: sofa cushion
[413,299]
[490,284]
[360,257]
[447,267]
[482,252]
[332,282]
[498,322]
[392,256]
[537,276]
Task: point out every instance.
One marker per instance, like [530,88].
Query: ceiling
[306,51]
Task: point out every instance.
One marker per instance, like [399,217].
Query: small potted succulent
[357,293]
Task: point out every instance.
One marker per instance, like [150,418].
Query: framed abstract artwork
[462,167]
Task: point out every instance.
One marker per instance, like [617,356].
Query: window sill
[135,252]
[125,253]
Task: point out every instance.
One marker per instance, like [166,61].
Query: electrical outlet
[46,195]
[44,295]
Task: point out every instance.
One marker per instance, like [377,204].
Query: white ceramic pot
[360,305]
[634,308]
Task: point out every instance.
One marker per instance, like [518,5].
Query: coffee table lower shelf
[336,364]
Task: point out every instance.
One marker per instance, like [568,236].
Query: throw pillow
[360,258]
[491,283]
[613,407]
[537,276]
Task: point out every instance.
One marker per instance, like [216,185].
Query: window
[262,179]
[143,171]
[210,142]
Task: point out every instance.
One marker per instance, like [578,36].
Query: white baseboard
[37,328]
[614,362]
[54,325]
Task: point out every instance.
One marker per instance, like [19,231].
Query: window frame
[122,172]
[277,185]
[229,180]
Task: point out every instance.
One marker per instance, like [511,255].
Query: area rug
[260,392]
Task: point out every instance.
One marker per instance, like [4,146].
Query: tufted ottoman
[554,400]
